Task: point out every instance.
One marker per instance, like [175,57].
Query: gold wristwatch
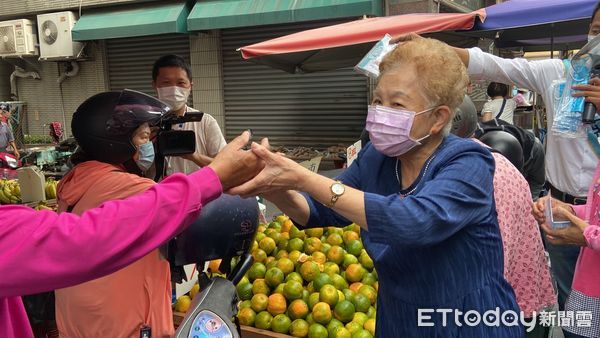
[337,190]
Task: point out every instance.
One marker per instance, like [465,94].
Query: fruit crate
[247,331]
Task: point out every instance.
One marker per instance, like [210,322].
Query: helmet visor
[132,109]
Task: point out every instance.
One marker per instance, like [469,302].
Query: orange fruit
[360,318]
[259,255]
[370,292]
[311,245]
[247,316]
[294,255]
[331,268]
[317,331]
[314,232]
[333,325]
[279,288]
[261,228]
[244,291]
[354,272]
[372,313]
[349,294]
[286,265]
[309,270]
[259,302]
[339,282]
[361,302]
[341,295]
[268,244]
[286,226]
[196,288]
[354,247]
[320,280]
[295,244]
[259,236]
[281,324]
[370,326]
[263,320]
[325,247]
[335,239]
[295,233]
[355,286]
[349,259]
[319,257]
[313,299]
[294,276]
[344,311]
[276,304]
[309,319]
[271,262]
[298,309]
[366,260]
[329,294]
[368,279]
[274,277]
[361,333]
[299,328]
[293,290]
[245,304]
[275,225]
[260,287]
[214,265]
[257,270]
[183,304]
[336,254]
[321,313]
[353,327]
[281,218]
[341,332]
[282,253]
[349,236]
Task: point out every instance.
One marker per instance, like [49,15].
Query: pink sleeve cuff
[592,236]
[579,210]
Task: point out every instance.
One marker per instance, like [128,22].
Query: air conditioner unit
[56,43]
[17,38]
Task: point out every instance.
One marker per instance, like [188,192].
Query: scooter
[225,230]
[8,166]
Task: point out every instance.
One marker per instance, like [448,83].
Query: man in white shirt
[570,162]
[172,80]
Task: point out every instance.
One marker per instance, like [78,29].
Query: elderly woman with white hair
[424,201]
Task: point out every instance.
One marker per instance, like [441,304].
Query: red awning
[339,45]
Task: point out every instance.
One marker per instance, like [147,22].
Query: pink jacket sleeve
[592,236]
[580,210]
[42,250]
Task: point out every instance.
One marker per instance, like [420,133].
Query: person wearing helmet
[43,250]
[527,155]
[113,133]
[525,265]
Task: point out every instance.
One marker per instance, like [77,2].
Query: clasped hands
[571,235]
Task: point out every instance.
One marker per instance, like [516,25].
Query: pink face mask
[389,129]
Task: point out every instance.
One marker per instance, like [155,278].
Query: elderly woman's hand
[279,174]
[572,235]
[539,207]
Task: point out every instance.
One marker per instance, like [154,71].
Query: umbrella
[344,44]
[534,24]
[518,23]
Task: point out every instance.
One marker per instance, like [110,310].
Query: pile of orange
[314,283]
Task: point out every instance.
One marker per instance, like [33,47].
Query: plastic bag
[369,64]
[568,109]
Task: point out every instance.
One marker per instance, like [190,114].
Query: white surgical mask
[174,96]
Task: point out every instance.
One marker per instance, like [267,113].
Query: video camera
[174,142]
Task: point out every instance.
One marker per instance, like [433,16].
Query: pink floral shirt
[525,265]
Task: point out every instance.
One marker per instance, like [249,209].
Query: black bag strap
[501,109]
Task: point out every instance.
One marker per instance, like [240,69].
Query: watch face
[337,188]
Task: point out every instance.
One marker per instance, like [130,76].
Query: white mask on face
[590,37]
[174,96]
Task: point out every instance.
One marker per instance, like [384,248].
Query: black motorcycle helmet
[225,229]
[464,123]
[103,124]
[506,144]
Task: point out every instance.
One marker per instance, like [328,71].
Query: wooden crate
[247,331]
